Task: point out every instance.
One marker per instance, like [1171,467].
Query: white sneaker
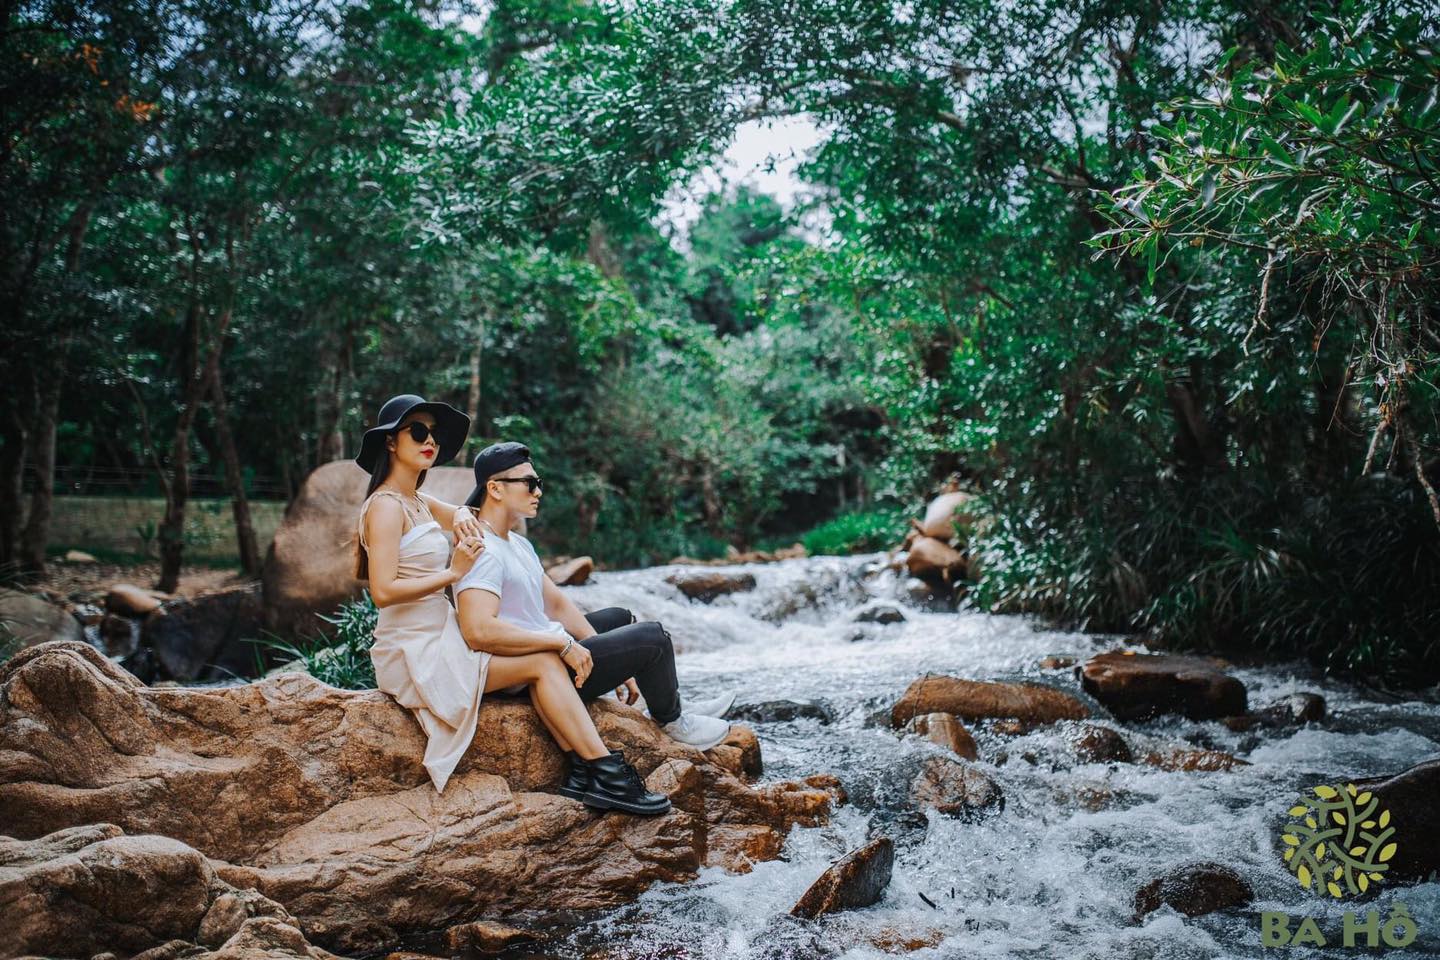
[697,730]
[714,707]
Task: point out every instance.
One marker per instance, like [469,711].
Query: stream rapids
[1049,876]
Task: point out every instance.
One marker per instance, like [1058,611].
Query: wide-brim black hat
[451,428]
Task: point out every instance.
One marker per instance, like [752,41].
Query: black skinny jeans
[621,649]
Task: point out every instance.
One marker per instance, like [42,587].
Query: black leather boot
[577,778]
[614,785]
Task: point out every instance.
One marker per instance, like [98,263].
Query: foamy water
[1048,876]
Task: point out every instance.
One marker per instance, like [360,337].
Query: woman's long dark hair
[377,477]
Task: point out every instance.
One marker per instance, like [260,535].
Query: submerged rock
[1187,759]
[1093,743]
[882,613]
[956,789]
[1295,709]
[1138,686]
[946,731]
[983,699]
[857,879]
[707,585]
[781,711]
[1194,889]
[487,937]
[316,798]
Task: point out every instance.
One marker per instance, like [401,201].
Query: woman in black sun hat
[419,655]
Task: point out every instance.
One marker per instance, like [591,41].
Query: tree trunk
[331,402]
[12,488]
[41,451]
[234,479]
[1197,445]
[42,454]
[472,399]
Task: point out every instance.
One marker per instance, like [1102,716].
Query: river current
[1051,875]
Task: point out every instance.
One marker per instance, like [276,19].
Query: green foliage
[858,532]
[1206,436]
[1321,167]
[342,660]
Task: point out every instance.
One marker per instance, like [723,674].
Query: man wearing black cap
[508,607]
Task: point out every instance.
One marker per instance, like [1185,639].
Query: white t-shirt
[511,570]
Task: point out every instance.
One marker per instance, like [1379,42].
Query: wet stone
[782,711]
[956,789]
[709,585]
[1141,686]
[1194,889]
[857,879]
[882,614]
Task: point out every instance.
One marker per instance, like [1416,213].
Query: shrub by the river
[1346,577]
[343,660]
[859,532]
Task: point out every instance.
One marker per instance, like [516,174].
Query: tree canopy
[1156,283]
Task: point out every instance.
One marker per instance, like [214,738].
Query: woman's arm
[452,518]
[384,523]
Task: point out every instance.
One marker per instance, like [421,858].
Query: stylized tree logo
[1339,841]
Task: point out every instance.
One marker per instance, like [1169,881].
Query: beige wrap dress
[419,655]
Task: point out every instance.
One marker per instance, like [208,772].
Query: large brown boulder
[310,568]
[1410,796]
[316,797]
[31,619]
[985,699]
[81,890]
[857,879]
[1138,686]
[207,637]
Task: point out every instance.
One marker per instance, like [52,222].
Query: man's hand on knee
[628,692]
[578,658]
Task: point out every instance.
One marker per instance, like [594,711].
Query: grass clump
[342,660]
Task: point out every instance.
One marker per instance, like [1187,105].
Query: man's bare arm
[562,608]
[483,629]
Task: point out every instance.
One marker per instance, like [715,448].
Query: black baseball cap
[496,458]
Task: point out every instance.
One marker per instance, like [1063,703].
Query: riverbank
[1058,825]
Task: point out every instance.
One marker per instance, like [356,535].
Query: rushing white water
[1050,876]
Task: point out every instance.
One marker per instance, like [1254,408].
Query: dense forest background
[1157,281]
